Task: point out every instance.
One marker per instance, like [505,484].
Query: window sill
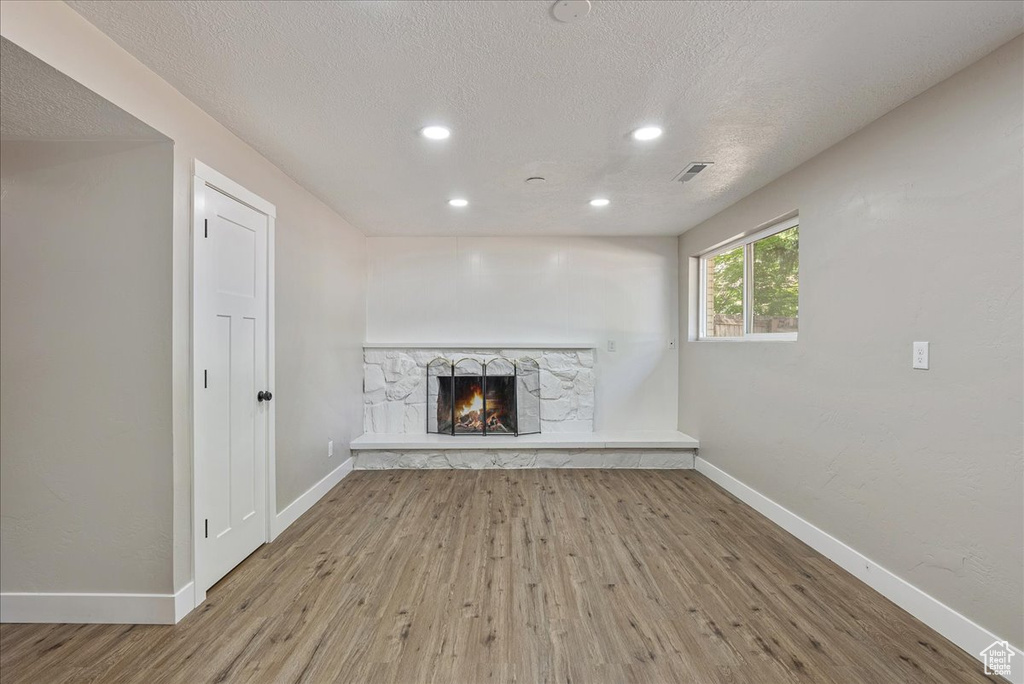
[762,337]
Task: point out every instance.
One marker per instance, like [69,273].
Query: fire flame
[475,403]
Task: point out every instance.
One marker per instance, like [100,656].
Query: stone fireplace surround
[395,389]
[395,422]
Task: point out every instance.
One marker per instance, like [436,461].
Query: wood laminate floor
[574,576]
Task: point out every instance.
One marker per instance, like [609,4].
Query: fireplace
[470,397]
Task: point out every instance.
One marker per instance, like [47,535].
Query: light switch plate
[611,345]
[921,355]
[330,448]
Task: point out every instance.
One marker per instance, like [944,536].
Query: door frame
[203,176]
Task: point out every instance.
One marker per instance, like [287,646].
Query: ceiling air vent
[692,170]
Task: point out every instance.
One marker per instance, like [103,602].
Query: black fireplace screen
[470,397]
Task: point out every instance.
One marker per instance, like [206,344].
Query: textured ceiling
[335,92]
[37,102]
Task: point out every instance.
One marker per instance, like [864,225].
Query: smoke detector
[691,171]
[568,11]
[535,180]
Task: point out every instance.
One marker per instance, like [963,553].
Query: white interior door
[232,405]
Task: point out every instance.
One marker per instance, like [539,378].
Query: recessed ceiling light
[647,133]
[458,202]
[599,202]
[435,132]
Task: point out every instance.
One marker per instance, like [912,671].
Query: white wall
[85,366]
[910,229]
[320,276]
[454,291]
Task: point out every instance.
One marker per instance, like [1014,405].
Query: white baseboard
[296,508]
[966,634]
[184,601]
[115,609]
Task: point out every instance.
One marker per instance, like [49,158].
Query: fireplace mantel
[478,345]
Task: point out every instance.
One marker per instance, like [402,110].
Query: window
[750,287]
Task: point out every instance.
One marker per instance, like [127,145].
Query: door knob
[264,396]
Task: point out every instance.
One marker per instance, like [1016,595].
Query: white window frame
[746,242]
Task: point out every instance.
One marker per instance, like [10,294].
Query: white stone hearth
[626,449]
[395,390]
[477,459]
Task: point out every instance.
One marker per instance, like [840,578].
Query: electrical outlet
[611,345]
[921,355]
[330,448]
[672,343]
